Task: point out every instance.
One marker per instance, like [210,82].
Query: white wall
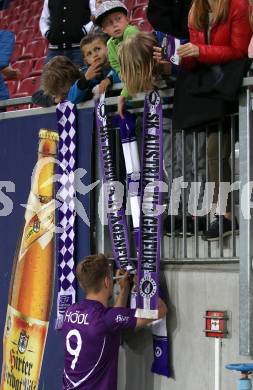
[192,290]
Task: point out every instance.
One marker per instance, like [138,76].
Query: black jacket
[207,93]
[170,16]
[67,18]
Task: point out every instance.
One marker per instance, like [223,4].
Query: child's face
[95,51]
[115,24]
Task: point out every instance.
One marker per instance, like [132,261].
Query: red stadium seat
[3,24]
[7,11]
[28,86]
[140,2]
[142,24]
[7,19]
[37,32]
[15,4]
[24,35]
[35,49]
[15,26]
[18,50]
[25,15]
[37,70]
[25,67]
[35,8]
[129,4]
[15,11]
[27,3]
[12,86]
[139,12]
[33,22]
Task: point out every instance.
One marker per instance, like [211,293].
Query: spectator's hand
[188,50]
[104,85]
[121,106]
[10,73]
[158,57]
[124,282]
[93,71]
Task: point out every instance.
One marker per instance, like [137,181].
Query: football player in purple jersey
[92,329]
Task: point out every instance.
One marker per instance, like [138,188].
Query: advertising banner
[18,156]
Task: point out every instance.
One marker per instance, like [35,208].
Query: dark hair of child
[93,37]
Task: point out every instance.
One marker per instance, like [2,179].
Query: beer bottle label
[39,224]
[24,341]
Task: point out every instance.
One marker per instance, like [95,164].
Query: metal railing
[196,209]
[187,244]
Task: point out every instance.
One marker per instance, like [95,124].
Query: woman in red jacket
[219,32]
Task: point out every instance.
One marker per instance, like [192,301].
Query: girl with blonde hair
[139,70]
[142,73]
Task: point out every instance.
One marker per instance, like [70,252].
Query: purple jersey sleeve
[119,318]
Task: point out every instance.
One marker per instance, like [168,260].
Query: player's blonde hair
[91,272]
[138,68]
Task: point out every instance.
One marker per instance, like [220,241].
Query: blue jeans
[74,55]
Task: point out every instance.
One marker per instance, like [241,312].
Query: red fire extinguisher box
[216,323]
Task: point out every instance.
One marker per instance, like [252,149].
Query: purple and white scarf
[151,203]
[170,45]
[116,212]
[151,229]
[66,120]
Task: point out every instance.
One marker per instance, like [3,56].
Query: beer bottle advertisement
[32,283]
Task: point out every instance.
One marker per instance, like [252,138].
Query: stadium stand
[22,17]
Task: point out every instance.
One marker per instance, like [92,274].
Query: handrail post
[246,224]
